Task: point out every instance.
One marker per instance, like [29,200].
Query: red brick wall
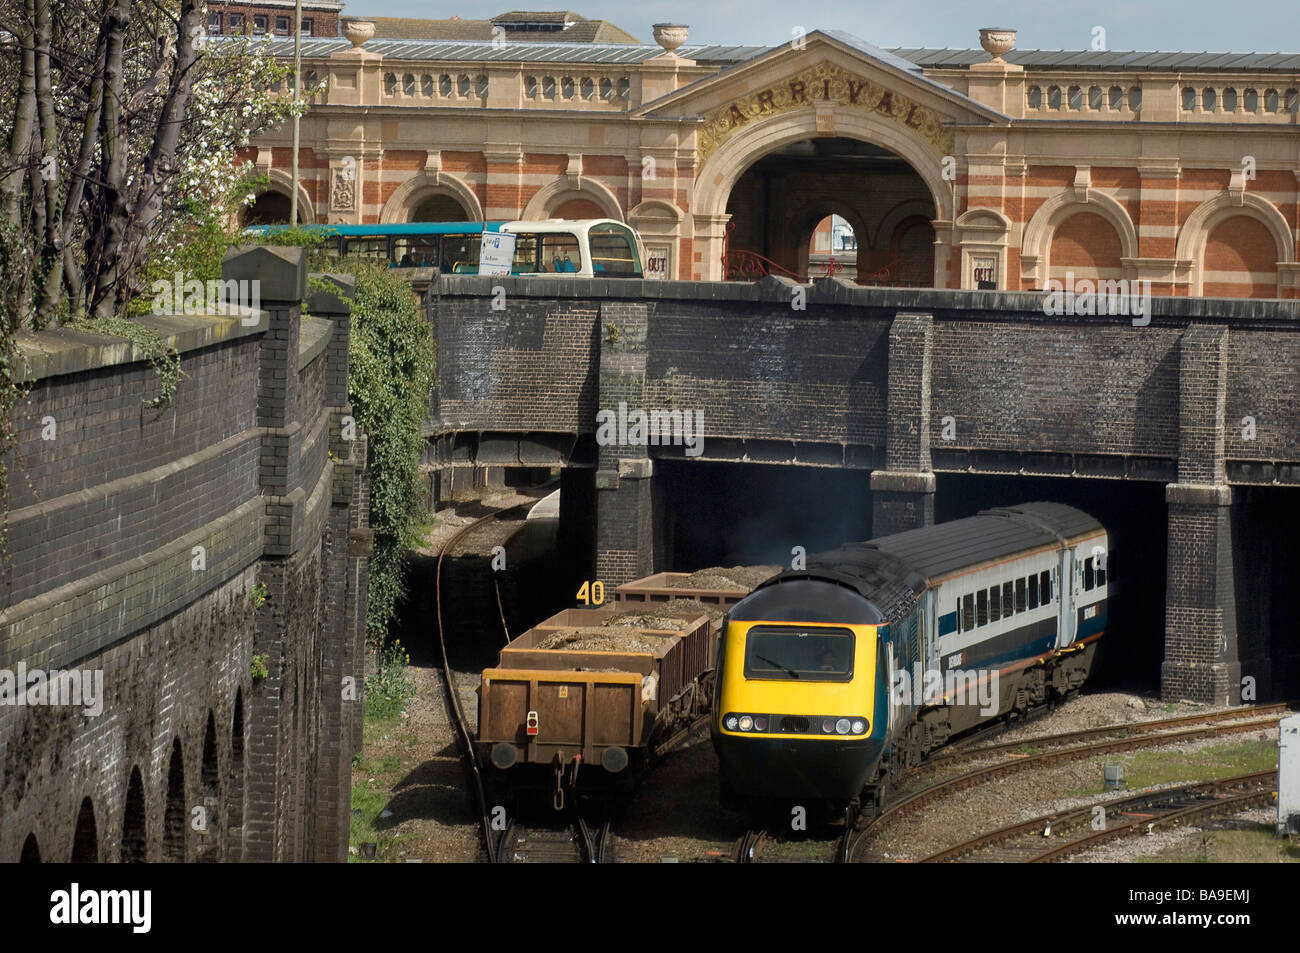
[1086,244]
[1242,245]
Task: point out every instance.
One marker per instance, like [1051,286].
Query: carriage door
[1067,593]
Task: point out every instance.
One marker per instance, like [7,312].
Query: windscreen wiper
[763,658]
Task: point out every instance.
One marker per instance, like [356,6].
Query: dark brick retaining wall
[137,541]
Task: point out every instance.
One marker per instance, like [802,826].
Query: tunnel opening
[1134,514]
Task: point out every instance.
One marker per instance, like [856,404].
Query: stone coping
[60,351]
[313,338]
[837,291]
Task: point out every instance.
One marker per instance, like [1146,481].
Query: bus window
[459,255]
[613,251]
[547,253]
[415,251]
[368,247]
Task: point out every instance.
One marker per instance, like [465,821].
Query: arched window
[1095,98]
[1189,99]
[1076,97]
[462,86]
[1270,100]
[1054,97]
[174,814]
[566,87]
[1116,97]
[426,85]
[1035,97]
[31,851]
[408,85]
[390,83]
[210,782]
[235,789]
[1252,100]
[588,87]
[134,840]
[1230,100]
[1209,100]
[444,85]
[85,842]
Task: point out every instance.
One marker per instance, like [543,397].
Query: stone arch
[210,790]
[174,814]
[1035,246]
[808,220]
[977,218]
[408,196]
[1196,230]
[559,191]
[656,210]
[235,788]
[31,851]
[281,183]
[895,217]
[85,841]
[134,837]
[720,172]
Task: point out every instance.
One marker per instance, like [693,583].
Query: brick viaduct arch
[723,169]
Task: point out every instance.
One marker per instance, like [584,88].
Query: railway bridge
[832,411]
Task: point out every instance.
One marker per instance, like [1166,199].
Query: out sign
[656,263]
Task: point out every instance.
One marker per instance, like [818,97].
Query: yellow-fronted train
[835,676]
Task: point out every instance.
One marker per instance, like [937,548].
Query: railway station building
[996,167]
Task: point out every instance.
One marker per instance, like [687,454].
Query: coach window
[1020,594]
[1101,570]
[1008,600]
[982,607]
[1089,579]
[995,603]
[967,613]
[1045,584]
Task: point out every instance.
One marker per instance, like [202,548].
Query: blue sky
[1192,25]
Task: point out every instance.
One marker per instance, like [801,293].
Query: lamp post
[297,86]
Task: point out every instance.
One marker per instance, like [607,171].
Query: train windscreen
[806,653]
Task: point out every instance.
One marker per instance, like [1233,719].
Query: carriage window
[967,613]
[1045,585]
[1008,600]
[995,603]
[613,251]
[1020,595]
[982,607]
[1103,566]
[1089,578]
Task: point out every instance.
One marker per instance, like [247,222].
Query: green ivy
[162,357]
[389,384]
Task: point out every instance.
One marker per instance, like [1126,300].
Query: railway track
[1151,738]
[749,848]
[1064,833]
[464,735]
[948,758]
[575,843]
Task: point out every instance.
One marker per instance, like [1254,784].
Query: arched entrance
[134,841]
[778,203]
[771,182]
[440,208]
[85,841]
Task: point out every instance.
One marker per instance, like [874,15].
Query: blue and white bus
[583,248]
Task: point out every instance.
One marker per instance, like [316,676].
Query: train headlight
[859,726]
[731,722]
[828,725]
[842,726]
[760,723]
[746,723]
